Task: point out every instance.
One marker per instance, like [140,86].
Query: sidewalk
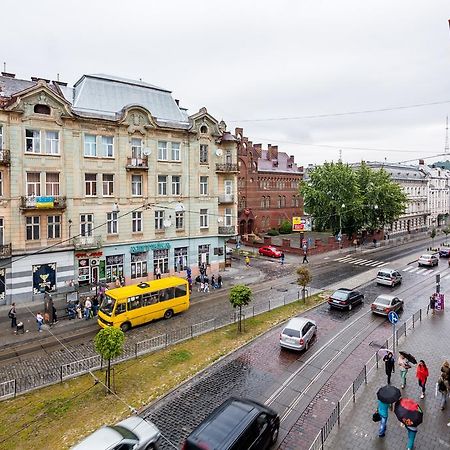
[430,342]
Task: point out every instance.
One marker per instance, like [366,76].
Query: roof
[297,321]
[282,163]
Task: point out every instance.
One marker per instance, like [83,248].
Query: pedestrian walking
[305,256]
[157,273]
[442,393]
[79,310]
[39,321]
[433,302]
[282,258]
[383,411]
[389,365]
[422,376]
[117,282]
[213,282]
[87,308]
[206,286]
[412,431]
[247,261]
[445,373]
[404,367]
[54,315]
[189,280]
[13,315]
[219,281]
[95,305]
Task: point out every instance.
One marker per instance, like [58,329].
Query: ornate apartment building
[268,183]
[108,178]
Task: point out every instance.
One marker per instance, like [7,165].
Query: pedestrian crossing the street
[361,262]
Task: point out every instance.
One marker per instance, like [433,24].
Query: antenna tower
[446,149]
[340,155]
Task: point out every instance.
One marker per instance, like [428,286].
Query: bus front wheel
[125,326]
[168,314]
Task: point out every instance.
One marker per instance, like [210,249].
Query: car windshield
[340,295]
[125,432]
[427,256]
[383,301]
[384,274]
[291,333]
[107,305]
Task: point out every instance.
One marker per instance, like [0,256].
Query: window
[136,222]
[242,202]
[279,201]
[33,227]
[90,183]
[161,260]
[179,220]
[90,145]
[159,220]
[162,151]
[42,109]
[203,185]
[112,223]
[176,185]
[162,184]
[203,218]
[138,265]
[268,202]
[203,255]
[54,227]
[114,267]
[228,218]
[107,146]
[33,141]
[180,258]
[52,183]
[2,232]
[1,184]
[175,151]
[33,184]
[86,224]
[1,138]
[136,185]
[203,154]
[136,148]
[203,129]
[108,185]
[228,187]
[263,202]
[52,143]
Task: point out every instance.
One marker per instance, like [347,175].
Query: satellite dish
[147,151]
[220,219]
[167,223]
[219,152]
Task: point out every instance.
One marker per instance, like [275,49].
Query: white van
[389,277]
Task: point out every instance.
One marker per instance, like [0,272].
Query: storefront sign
[44,278]
[152,246]
[89,255]
[301,224]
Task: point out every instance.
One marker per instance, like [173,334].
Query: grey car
[384,304]
[298,333]
[133,433]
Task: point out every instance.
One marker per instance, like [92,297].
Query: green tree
[240,295]
[109,344]
[286,227]
[446,231]
[304,277]
[433,235]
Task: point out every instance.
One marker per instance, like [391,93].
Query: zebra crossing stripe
[341,258]
[383,264]
[362,262]
[407,269]
[414,269]
[422,271]
[373,264]
[357,261]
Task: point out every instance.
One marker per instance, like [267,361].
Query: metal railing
[5,250]
[5,157]
[349,395]
[86,242]
[227,230]
[43,202]
[137,163]
[13,387]
[227,168]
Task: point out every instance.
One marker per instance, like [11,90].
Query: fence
[13,387]
[360,380]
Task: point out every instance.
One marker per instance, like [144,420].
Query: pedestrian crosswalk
[424,271]
[361,262]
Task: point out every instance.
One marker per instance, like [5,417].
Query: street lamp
[340,224]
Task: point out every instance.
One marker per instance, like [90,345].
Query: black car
[444,253]
[237,424]
[345,298]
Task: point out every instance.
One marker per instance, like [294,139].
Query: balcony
[226,198]
[43,202]
[5,251]
[137,163]
[227,231]
[5,158]
[227,168]
[87,242]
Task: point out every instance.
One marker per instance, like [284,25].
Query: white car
[298,333]
[429,259]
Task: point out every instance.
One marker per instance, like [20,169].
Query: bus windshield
[107,305]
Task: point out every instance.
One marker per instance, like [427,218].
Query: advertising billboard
[301,223]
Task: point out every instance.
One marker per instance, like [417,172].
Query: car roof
[344,290]
[387,269]
[103,438]
[425,255]
[297,322]
[385,297]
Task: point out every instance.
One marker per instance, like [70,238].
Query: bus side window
[180,291]
[166,294]
[150,298]
[120,308]
[134,302]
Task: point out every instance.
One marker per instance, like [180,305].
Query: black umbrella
[408,412]
[389,394]
[409,357]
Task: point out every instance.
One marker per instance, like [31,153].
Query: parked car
[389,277]
[237,424]
[345,298]
[268,250]
[134,432]
[298,333]
[444,252]
[429,259]
[384,304]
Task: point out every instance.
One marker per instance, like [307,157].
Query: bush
[273,233]
[286,227]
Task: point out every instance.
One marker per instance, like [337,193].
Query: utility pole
[446,149]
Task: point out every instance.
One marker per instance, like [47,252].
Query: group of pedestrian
[86,308]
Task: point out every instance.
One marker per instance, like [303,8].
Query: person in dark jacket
[13,315]
[389,365]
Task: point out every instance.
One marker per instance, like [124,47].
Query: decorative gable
[137,119]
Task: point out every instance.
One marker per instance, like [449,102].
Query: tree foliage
[240,295]
[109,344]
[286,227]
[356,199]
[446,231]
[304,277]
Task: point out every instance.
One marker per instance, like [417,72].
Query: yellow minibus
[141,303]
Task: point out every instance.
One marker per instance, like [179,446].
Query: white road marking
[422,271]
[407,269]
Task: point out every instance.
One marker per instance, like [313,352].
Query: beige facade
[95,193]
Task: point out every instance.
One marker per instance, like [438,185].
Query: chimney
[8,75]
[421,162]
[39,78]
[61,83]
[239,131]
[177,102]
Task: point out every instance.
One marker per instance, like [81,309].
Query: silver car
[429,259]
[132,433]
[384,304]
[297,334]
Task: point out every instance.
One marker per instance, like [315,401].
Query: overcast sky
[250,60]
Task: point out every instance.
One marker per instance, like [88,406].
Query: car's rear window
[291,333]
[340,295]
[427,256]
[383,301]
[384,274]
[127,434]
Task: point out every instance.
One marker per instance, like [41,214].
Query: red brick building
[268,182]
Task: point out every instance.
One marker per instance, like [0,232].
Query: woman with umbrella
[386,396]
[411,415]
[404,360]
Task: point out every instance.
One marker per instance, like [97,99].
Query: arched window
[203,129]
[268,201]
[263,202]
[42,109]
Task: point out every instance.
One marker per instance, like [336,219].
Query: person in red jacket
[422,375]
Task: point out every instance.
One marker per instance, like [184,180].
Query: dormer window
[203,129]
[42,109]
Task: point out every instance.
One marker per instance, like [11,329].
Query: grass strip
[58,416]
